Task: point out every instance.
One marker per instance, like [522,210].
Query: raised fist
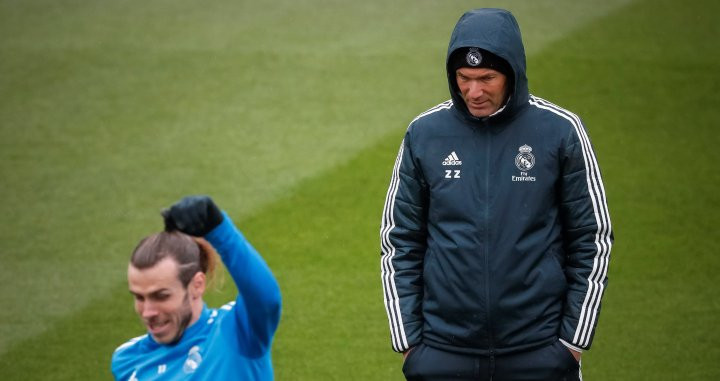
[193,215]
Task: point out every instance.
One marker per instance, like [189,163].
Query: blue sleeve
[257,308]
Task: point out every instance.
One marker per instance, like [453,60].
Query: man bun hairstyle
[192,254]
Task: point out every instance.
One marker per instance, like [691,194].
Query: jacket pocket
[555,273]
[408,362]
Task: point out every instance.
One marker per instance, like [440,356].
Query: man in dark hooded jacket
[495,234]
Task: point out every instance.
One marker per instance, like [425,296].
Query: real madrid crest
[525,160]
[473,57]
[193,360]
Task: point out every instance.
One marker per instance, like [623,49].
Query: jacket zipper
[487,238]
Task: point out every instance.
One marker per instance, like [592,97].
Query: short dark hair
[192,254]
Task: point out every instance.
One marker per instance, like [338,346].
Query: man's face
[482,89]
[161,301]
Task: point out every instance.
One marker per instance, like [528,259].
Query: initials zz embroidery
[452,173]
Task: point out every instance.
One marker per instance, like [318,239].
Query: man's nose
[148,310]
[475,90]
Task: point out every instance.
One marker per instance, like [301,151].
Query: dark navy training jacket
[495,234]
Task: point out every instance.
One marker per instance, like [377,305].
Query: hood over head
[495,31]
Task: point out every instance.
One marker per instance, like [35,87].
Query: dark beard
[184,320]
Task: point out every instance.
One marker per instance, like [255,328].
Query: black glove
[193,215]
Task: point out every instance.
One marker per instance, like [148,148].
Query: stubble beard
[184,316]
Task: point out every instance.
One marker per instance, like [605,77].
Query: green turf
[291,119]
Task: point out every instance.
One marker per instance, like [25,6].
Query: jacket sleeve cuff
[570,346]
[412,338]
[220,232]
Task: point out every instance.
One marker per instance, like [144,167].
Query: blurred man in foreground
[167,276]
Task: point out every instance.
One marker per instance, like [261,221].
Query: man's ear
[197,285]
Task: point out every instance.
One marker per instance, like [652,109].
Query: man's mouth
[156,327]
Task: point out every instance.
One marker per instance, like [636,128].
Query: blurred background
[289,114]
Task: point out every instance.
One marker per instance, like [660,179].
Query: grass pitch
[290,116]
